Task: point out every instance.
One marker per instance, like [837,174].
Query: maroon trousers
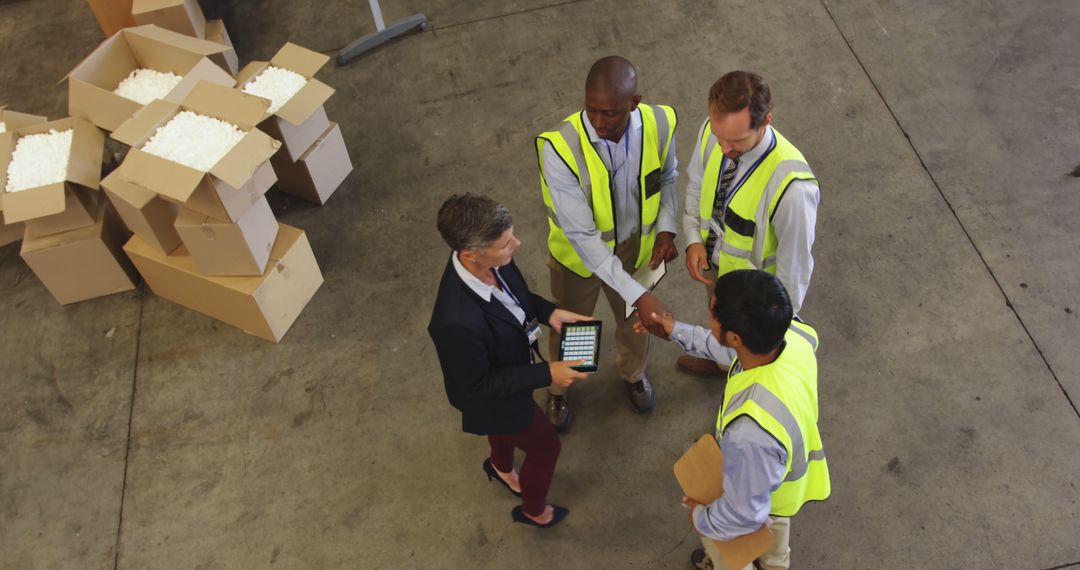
[541,446]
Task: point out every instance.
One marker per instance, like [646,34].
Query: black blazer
[484,353]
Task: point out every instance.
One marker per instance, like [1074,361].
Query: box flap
[87,153]
[250,71]
[299,59]
[14,120]
[7,146]
[142,125]
[106,63]
[160,175]
[204,70]
[239,108]
[305,102]
[176,39]
[135,195]
[99,106]
[34,203]
[245,158]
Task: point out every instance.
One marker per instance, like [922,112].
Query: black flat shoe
[492,474]
[519,517]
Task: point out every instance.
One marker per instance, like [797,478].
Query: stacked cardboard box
[182,16]
[313,160]
[72,241]
[112,15]
[12,121]
[92,83]
[208,240]
[216,32]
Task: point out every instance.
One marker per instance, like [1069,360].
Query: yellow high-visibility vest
[749,239]
[782,397]
[571,141]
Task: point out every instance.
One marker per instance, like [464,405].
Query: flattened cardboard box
[13,121]
[112,15]
[265,306]
[300,121]
[216,32]
[91,83]
[182,16]
[80,211]
[84,169]
[144,213]
[82,264]
[319,172]
[224,248]
[179,183]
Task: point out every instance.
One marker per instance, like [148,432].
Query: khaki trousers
[778,557]
[575,293]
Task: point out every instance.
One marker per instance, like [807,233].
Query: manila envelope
[700,472]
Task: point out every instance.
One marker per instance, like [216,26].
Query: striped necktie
[720,205]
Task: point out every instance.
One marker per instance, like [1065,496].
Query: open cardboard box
[264,306]
[182,16]
[179,183]
[13,121]
[301,120]
[224,248]
[84,169]
[91,83]
[143,212]
[700,472]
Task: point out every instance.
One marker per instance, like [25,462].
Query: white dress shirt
[623,161]
[487,291]
[793,220]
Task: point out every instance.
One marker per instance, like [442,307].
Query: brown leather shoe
[700,367]
[641,395]
[558,412]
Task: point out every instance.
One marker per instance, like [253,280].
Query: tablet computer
[581,341]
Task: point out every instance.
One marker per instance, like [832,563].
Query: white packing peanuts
[301,117]
[226,188]
[82,264]
[92,84]
[319,172]
[83,169]
[226,248]
[11,121]
[144,213]
[264,306]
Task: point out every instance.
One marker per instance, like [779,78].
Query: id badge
[532,330]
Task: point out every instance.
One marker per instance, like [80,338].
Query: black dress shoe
[641,395]
[560,514]
[558,412]
[701,560]
[494,475]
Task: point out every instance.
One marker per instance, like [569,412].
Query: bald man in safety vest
[751,199]
[607,174]
[767,427]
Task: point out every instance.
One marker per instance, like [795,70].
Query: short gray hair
[472,221]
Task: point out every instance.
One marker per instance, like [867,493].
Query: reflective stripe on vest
[749,240]
[570,140]
[781,397]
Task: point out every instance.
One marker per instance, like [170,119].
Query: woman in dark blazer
[485,326]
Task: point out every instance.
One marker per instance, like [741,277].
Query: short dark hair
[472,221]
[754,305]
[737,90]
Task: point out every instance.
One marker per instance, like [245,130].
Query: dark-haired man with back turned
[767,427]
[607,174]
[751,198]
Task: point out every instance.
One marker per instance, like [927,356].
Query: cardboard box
[80,211]
[264,306]
[182,16]
[217,199]
[84,169]
[13,121]
[300,121]
[82,264]
[700,472]
[91,83]
[10,233]
[144,213]
[224,248]
[216,32]
[180,183]
[319,172]
[112,15]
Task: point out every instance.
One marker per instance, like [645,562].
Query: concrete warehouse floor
[137,434]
